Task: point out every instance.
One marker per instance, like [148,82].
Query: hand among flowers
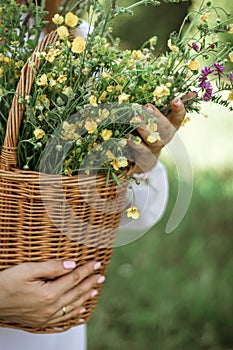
[146,153]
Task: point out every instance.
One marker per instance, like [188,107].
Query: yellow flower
[106,134]
[193,65]
[133,212]
[78,45]
[103,113]
[43,101]
[120,162]
[1,71]
[90,126]
[230,96]
[52,82]
[62,32]
[62,78]
[93,101]
[231,56]
[17,74]
[123,97]
[4,59]
[110,88]
[58,19]
[110,155]
[85,70]
[15,43]
[151,126]
[68,91]
[172,47]
[103,96]
[131,64]
[0,9]
[38,133]
[137,119]
[137,55]
[230,31]
[69,131]
[161,91]
[105,75]
[186,120]
[59,148]
[68,171]
[52,54]
[19,64]
[205,16]
[153,137]
[71,20]
[43,80]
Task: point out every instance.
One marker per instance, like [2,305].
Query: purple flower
[205,72]
[207,88]
[230,77]
[208,94]
[194,46]
[204,84]
[219,69]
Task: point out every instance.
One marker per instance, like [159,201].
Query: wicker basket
[51,216]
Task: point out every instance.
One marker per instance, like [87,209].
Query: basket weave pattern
[53,216]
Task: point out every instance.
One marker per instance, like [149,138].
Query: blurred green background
[175,292]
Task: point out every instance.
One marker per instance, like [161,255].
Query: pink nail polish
[97,266]
[149,109]
[82,310]
[94,293]
[81,320]
[177,102]
[69,264]
[101,279]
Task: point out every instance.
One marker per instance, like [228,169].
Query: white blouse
[151,197]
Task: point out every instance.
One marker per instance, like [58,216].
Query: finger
[177,114]
[143,157]
[76,294]
[74,313]
[166,129]
[65,283]
[47,270]
[189,98]
[74,309]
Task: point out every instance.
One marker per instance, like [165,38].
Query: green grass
[173,292]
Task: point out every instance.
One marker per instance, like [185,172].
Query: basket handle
[8,158]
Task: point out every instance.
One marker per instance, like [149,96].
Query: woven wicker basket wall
[49,216]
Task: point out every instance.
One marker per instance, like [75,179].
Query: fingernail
[69,264]
[149,109]
[81,320]
[82,310]
[58,328]
[177,102]
[94,293]
[97,266]
[101,279]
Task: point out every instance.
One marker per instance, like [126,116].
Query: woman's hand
[146,154]
[42,294]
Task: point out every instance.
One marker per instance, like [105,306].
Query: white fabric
[73,339]
[151,198]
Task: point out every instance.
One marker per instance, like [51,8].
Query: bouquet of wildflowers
[88,94]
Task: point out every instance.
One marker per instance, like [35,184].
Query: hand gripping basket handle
[8,158]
